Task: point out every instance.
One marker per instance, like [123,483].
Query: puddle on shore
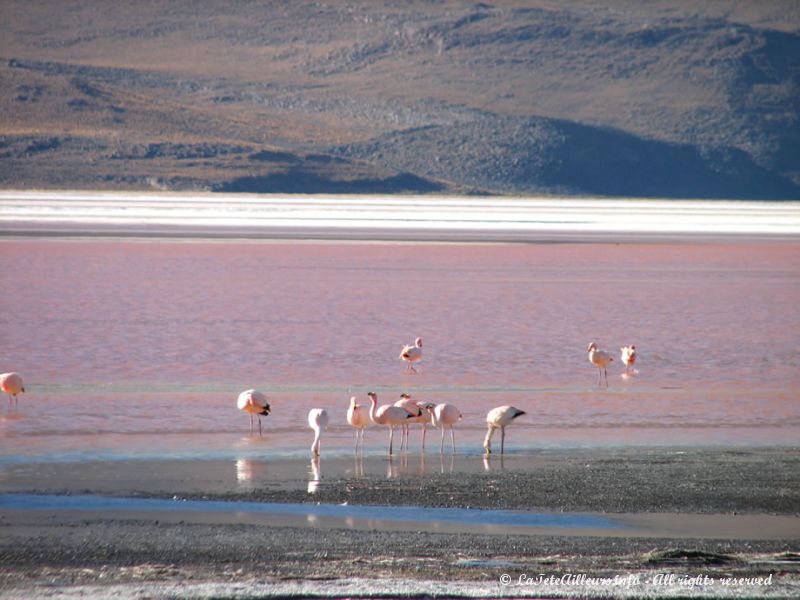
[411,518]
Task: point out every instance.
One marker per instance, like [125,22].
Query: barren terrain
[667,99]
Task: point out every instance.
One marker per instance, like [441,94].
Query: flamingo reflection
[487,462]
[315,475]
[244,472]
[358,468]
[451,466]
[399,467]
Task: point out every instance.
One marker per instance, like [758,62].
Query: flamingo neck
[372,409]
[487,443]
[315,445]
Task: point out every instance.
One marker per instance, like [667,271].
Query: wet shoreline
[614,480]
[141,551]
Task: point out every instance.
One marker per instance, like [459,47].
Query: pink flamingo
[254,403]
[318,420]
[412,354]
[426,419]
[628,357]
[358,418]
[387,415]
[601,359]
[11,384]
[500,418]
[445,415]
[415,409]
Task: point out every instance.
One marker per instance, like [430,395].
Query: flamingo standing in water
[628,357]
[11,384]
[412,354]
[600,359]
[415,409]
[446,415]
[358,418]
[500,418]
[426,419]
[254,403]
[387,415]
[318,420]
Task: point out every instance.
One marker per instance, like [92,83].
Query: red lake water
[140,348]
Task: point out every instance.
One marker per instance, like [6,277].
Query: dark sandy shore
[61,553]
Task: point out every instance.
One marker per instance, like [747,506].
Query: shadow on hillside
[613,163]
[537,155]
[297,181]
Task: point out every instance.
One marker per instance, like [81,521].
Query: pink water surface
[144,345]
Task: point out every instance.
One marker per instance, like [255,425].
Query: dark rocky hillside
[623,98]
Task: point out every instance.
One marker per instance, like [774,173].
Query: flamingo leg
[391,438]
[453,439]
[259,426]
[251,424]
[424,429]
[441,448]
[502,440]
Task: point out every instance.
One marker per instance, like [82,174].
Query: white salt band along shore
[406,217]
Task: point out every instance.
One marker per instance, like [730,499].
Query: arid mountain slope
[661,98]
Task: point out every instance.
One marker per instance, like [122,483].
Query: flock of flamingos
[406,411]
[401,414]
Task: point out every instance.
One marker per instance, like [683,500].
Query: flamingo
[415,409]
[601,359]
[318,420]
[255,403]
[500,418]
[412,354]
[426,419]
[387,415]
[628,357]
[358,418]
[11,384]
[445,415]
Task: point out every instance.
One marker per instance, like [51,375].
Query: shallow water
[139,348]
[311,513]
[416,518]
